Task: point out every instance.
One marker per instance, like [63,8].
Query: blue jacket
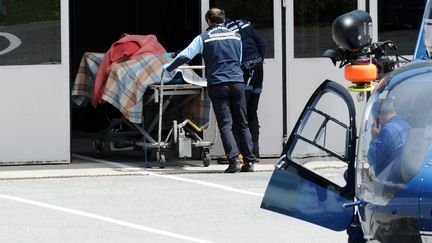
[253,43]
[222,53]
[387,146]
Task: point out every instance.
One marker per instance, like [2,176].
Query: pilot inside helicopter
[389,133]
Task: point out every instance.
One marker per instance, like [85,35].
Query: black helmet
[353,30]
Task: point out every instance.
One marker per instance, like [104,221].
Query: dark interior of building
[95,25]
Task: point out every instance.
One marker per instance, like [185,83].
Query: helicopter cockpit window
[395,135]
[428,30]
[321,143]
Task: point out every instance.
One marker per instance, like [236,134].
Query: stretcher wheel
[205,156]
[161,159]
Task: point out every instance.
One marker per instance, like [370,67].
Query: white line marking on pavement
[103,218]
[209,184]
[14,42]
[144,172]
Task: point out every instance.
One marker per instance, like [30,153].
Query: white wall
[306,74]
[34,106]
[270,108]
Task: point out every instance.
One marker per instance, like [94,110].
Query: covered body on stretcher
[134,88]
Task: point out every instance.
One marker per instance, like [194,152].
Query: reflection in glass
[313,22]
[391,154]
[427,28]
[399,21]
[290,193]
[320,162]
[29,32]
[259,13]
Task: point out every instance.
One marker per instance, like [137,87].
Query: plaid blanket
[84,80]
[128,81]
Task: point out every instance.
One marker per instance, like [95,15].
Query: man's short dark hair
[215,16]
[383,107]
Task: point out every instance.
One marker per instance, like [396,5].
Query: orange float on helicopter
[361,75]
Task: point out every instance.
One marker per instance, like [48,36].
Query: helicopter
[331,172]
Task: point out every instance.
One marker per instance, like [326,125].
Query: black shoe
[247,167]
[233,167]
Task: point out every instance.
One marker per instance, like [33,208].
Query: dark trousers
[229,105]
[355,232]
[254,78]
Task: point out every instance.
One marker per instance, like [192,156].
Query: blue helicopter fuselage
[397,201]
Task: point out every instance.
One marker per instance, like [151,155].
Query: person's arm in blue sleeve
[194,48]
[259,40]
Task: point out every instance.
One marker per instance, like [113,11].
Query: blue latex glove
[168,54]
[165,66]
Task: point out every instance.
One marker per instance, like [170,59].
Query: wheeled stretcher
[158,115]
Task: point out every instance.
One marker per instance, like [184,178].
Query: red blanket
[128,46]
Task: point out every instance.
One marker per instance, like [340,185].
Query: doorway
[95,26]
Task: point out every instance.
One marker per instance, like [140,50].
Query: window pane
[312,25]
[321,141]
[29,32]
[320,163]
[399,21]
[258,12]
[387,161]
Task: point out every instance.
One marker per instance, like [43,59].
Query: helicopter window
[427,28]
[316,133]
[414,150]
[321,140]
[386,163]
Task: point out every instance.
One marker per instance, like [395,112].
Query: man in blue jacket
[389,136]
[253,47]
[221,50]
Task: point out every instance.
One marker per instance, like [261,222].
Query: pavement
[84,163]
[116,198]
[117,164]
[149,207]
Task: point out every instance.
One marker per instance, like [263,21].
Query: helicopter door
[314,177]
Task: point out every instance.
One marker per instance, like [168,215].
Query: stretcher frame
[139,136]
